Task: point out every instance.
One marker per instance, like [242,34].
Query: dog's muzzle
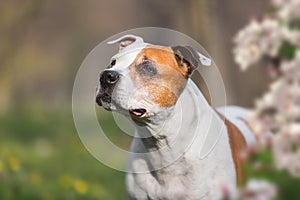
[108,80]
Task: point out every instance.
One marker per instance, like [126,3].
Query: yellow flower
[1,166]
[14,163]
[35,178]
[65,181]
[80,186]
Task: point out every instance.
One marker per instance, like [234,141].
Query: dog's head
[144,80]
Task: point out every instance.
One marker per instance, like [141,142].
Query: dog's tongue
[138,112]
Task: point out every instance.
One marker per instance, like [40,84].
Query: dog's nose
[109,77]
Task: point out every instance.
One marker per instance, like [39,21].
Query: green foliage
[287,51]
[261,166]
[41,157]
[271,10]
[295,24]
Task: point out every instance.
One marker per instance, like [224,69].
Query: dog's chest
[178,181]
[188,178]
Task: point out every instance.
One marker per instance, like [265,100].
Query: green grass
[42,157]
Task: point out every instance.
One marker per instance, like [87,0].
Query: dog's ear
[189,57]
[127,40]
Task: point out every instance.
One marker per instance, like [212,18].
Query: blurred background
[42,44]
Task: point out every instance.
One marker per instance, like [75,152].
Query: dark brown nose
[109,78]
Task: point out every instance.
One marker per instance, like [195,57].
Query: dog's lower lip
[138,112]
[103,98]
[98,100]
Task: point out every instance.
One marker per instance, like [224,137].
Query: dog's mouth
[105,100]
[139,112]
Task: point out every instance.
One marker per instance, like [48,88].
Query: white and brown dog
[150,84]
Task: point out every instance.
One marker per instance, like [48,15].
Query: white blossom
[287,9]
[259,190]
[291,36]
[258,39]
[287,149]
[276,116]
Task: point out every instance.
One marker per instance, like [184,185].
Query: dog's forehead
[125,60]
[161,54]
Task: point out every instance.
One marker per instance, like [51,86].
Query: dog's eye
[147,68]
[112,63]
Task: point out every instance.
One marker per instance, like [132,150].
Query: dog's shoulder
[239,134]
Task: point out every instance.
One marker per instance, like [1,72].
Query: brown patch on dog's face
[161,95]
[163,56]
[157,72]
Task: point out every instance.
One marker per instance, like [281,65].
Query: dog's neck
[170,139]
[180,159]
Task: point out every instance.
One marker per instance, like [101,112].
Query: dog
[150,84]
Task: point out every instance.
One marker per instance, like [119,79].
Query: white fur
[190,177]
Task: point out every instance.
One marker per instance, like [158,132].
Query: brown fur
[161,95]
[238,145]
[163,56]
[164,88]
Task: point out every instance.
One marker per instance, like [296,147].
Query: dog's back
[238,116]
